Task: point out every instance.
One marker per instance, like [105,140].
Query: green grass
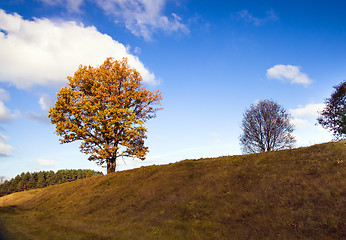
[291,194]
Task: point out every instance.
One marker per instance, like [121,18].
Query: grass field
[291,194]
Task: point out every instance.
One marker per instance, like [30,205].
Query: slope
[291,194]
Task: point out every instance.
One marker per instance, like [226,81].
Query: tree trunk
[111,165]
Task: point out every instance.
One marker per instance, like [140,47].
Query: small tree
[105,108]
[41,180]
[333,116]
[266,127]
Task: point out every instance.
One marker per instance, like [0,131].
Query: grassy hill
[291,194]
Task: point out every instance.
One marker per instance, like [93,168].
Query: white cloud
[4,95]
[305,116]
[38,117]
[143,17]
[46,102]
[300,123]
[5,113]
[309,110]
[71,5]
[137,50]
[288,73]
[46,162]
[248,17]
[43,52]
[5,149]
[307,131]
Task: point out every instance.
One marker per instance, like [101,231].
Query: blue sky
[210,59]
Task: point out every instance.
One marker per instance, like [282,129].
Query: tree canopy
[333,116]
[105,108]
[266,127]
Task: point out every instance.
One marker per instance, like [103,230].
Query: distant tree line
[27,181]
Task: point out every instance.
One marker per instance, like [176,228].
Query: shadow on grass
[5,211]
[10,210]
[2,232]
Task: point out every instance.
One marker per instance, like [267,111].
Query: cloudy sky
[210,59]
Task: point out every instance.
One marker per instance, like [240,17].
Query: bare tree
[266,127]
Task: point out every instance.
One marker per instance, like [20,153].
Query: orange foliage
[105,108]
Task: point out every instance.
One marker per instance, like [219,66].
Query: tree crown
[266,127]
[333,116]
[106,108]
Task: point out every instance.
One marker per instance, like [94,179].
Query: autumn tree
[333,116]
[266,127]
[105,108]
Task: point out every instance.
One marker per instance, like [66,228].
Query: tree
[32,183]
[266,127]
[333,116]
[105,108]
[41,180]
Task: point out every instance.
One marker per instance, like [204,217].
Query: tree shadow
[2,233]
[10,210]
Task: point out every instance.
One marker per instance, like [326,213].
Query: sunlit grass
[291,194]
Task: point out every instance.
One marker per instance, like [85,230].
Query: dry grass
[292,194]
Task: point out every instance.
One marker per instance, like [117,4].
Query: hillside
[291,194]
